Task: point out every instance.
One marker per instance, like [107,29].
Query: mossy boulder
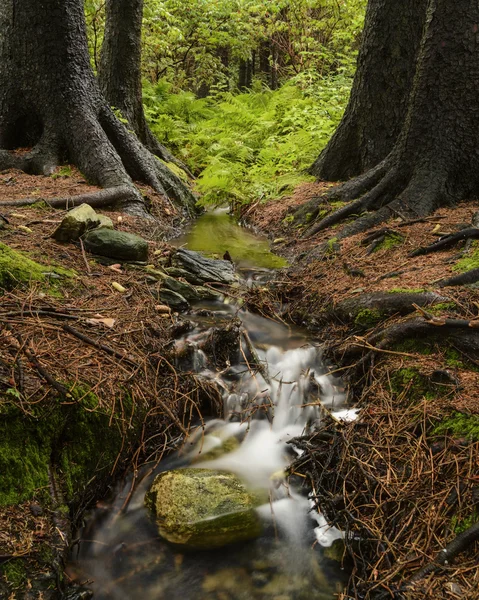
[18,268]
[78,221]
[202,508]
[119,245]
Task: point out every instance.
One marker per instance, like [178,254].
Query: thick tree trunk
[435,160]
[50,102]
[379,98]
[119,73]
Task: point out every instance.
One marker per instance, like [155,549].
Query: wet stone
[119,245]
[202,508]
[204,270]
[173,299]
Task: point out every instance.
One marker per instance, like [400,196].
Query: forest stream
[119,554]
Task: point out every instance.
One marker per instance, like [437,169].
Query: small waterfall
[274,394]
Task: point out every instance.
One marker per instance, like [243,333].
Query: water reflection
[217,232]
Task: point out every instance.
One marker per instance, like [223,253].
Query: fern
[252,145]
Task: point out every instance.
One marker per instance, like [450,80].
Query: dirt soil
[403,480]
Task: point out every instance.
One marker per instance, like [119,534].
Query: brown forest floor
[405,489]
[390,478]
[131,323]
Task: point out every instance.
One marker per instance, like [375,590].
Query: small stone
[36,509]
[162,308]
[173,299]
[76,222]
[118,287]
[116,244]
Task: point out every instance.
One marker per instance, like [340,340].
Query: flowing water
[120,553]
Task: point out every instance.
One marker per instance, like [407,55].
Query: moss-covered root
[366,310]
[17,268]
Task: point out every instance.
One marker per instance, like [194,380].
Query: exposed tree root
[471,276]
[460,543]
[471,233]
[462,334]
[383,304]
[97,199]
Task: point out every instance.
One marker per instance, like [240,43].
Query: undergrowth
[250,146]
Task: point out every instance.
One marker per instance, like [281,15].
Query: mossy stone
[79,220]
[119,245]
[203,508]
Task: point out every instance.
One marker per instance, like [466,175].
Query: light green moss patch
[413,382]
[368,317]
[400,290]
[459,425]
[17,268]
[468,262]
[391,240]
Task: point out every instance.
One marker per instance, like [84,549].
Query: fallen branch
[88,340]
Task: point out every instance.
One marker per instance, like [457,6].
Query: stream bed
[121,556]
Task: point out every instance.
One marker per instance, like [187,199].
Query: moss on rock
[202,508]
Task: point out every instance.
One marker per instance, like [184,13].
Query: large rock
[79,220]
[202,508]
[199,269]
[119,245]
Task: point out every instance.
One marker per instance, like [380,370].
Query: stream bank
[402,479]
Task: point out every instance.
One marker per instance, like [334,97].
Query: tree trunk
[119,74]
[435,160]
[50,102]
[381,89]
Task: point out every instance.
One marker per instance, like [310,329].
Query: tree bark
[50,103]
[381,89]
[119,73]
[435,160]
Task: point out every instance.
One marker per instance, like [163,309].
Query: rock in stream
[202,508]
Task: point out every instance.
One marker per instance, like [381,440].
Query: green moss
[65,171]
[460,524]
[25,448]
[459,425]
[14,572]
[368,317]
[400,290]
[79,439]
[441,307]
[17,268]
[468,262]
[411,379]
[391,240]
[413,345]
[176,170]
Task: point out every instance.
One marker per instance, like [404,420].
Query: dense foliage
[254,145]
[246,93]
